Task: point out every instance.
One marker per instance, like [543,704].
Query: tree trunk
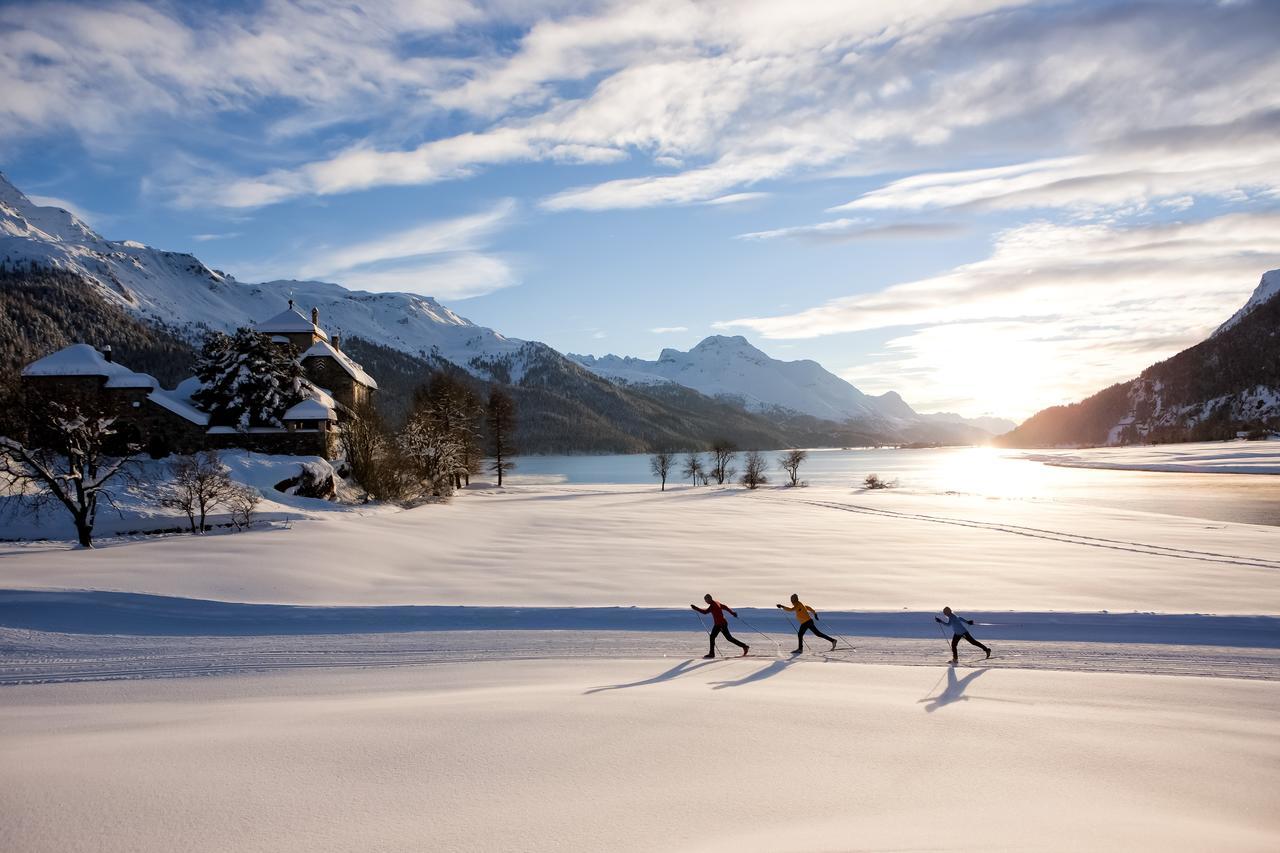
[84,531]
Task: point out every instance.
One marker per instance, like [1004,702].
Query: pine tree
[247,380]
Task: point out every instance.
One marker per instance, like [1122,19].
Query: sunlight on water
[984,471]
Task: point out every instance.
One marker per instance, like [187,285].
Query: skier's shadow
[954,691]
[683,668]
[761,674]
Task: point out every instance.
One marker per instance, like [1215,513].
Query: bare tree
[791,462]
[722,456]
[70,467]
[243,503]
[374,456]
[753,474]
[660,464]
[200,483]
[692,467]
[500,415]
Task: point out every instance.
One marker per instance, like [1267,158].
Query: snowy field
[630,546]
[643,755]
[518,670]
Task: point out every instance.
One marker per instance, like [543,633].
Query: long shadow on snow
[683,668]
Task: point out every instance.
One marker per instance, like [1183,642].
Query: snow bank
[672,755]
[601,546]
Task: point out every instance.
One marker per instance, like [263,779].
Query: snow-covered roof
[289,321]
[84,360]
[323,349]
[310,410]
[167,400]
[132,380]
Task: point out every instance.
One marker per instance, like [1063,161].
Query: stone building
[167,421]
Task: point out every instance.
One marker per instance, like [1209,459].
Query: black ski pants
[809,626]
[955,642]
[724,629]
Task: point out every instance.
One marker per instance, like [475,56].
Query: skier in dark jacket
[717,611]
[959,632]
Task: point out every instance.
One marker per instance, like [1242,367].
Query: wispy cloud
[847,230]
[85,215]
[668,330]
[729,92]
[442,258]
[205,238]
[1055,312]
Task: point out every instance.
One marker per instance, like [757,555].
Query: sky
[989,206]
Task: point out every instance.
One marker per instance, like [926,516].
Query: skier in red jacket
[717,611]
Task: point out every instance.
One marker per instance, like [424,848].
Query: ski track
[1054,535]
[36,657]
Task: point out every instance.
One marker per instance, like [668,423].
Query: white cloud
[464,233]
[1081,306]
[731,92]
[668,330]
[844,230]
[441,258]
[1239,157]
[452,277]
[205,238]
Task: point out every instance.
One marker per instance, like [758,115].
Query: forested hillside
[43,310]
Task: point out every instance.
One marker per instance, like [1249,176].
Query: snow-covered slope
[1268,288]
[180,292]
[723,366]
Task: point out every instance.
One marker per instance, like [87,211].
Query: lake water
[988,472]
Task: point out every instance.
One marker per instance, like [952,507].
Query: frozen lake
[983,471]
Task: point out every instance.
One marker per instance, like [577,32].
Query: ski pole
[762,634]
[703,622]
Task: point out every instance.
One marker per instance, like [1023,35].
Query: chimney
[336,340]
[106,353]
[290,303]
[315,316]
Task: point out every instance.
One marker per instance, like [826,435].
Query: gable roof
[289,321]
[322,349]
[310,410]
[84,360]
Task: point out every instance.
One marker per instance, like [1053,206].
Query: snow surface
[623,545]
[1210,457]
[681,755]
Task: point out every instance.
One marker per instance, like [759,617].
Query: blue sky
[986,205]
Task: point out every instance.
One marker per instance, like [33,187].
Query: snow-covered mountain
[730,367]
[179,292]
[723,366]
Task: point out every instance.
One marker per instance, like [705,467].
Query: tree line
[720,465]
